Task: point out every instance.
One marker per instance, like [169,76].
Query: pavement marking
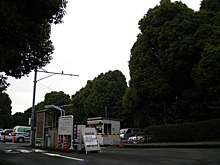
[24,151]
[10,151]
[37,150]
[61,156]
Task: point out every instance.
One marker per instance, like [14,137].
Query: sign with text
[65,126]
[90,139]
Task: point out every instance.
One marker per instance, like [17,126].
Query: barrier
[121,144]
[59,143]
[64,143]
[21,133]
[108,134]
[4,139]
[13,141]
[54,139]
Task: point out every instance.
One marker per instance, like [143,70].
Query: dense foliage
[5,111]
[3,83]
[102,96]
[174,65]
[25,34]
[187,132]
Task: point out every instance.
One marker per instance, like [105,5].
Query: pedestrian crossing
[25,151]
[29,151]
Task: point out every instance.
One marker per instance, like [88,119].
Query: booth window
[107,128]
[99,128]
[128,131]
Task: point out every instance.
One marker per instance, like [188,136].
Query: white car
[136,139]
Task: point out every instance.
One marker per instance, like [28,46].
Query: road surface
[17,154]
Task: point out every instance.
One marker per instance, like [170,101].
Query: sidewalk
[214,144]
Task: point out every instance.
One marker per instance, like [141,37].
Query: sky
[96,37]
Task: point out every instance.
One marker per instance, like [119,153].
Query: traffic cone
[121,144]
[13,141]
[59,143]
[64,143]
[4,139]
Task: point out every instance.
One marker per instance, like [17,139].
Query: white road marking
[61,156]
[7,151]
[24,151]
[10,151]
[36,150]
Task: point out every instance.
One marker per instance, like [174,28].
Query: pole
[32,112]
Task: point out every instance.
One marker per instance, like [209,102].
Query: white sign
[90,139]
[65,126]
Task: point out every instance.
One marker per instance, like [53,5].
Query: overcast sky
[96,37]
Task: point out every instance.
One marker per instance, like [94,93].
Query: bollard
[59,143]
[64,143]
[4,139]
[13,141]
[121,144]
[54,139]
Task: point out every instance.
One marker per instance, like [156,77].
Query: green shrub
[196,131]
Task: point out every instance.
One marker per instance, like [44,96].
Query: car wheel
[21,140]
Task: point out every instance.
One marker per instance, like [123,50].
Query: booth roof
[51,108]
[103,118]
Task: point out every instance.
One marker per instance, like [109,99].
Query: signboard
[90,139]
[65,126]
[80,145]
[40,125]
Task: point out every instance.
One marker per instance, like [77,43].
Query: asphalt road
[17,154]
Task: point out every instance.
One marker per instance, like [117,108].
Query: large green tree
[57,98]
[206,72]
[106,94]
[25,34]
[78,100]
[103,94]
[5,111]
[166,63]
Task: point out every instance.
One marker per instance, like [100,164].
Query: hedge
[187,132]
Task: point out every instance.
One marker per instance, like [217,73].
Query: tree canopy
[104,92]
[177,51]
[25,34]
[5,111]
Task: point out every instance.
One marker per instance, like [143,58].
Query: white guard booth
[108,130]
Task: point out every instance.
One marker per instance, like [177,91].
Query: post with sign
[65,127]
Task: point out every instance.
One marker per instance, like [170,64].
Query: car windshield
[8,130]
[123,131]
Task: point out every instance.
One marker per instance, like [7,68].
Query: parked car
[129,132]
[7,134]
[136,139]
[21,133]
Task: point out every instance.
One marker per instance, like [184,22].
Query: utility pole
[34,94]
[32,111]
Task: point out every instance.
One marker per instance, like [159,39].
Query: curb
[175,145]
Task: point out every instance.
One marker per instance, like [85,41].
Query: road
[17,154]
